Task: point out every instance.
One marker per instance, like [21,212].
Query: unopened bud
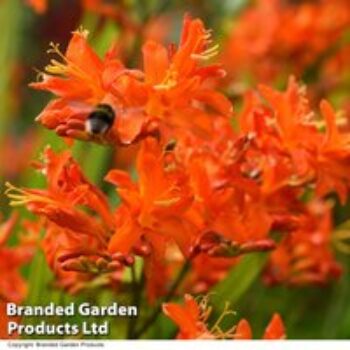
[73,265]
[142,249]
[101,263]
[114,265]
[258,246]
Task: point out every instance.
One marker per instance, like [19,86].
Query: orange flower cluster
[75,243]
[297,35]
[192,319]
[83,81]
[208,187]
[15,154]
[298,160]
[13,288]
[171,90]
[303,256]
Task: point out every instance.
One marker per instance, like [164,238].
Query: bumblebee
[100,120]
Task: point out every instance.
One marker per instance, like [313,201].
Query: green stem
[153,317]
[135,294]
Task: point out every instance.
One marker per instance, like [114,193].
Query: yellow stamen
[207,54]
[216,328]
[68,67]
[55,49]
[40,75]
[81,31]
[167,202]
[169,81]
[19,196]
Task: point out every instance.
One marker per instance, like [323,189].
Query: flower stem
[153,317]
[136,298]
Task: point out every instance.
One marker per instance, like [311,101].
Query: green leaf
[240,278]
[10,41]
[39,277]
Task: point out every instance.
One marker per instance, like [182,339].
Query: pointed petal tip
[275,329]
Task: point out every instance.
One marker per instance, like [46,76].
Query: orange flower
[274,330]
[15,154]
[291,150]
[40,6]
[304,255]
[333,158]
[83,81]
[153,212]
[227,206]
[192,320]
[67,189]
[154,207]
[78,223]
[172,92]
[295,38]
[79,262]
[13,288]
[178,92]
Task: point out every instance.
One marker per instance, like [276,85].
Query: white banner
[175,344]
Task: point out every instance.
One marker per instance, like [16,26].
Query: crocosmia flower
[192,320]
[171,92]
[200,172]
